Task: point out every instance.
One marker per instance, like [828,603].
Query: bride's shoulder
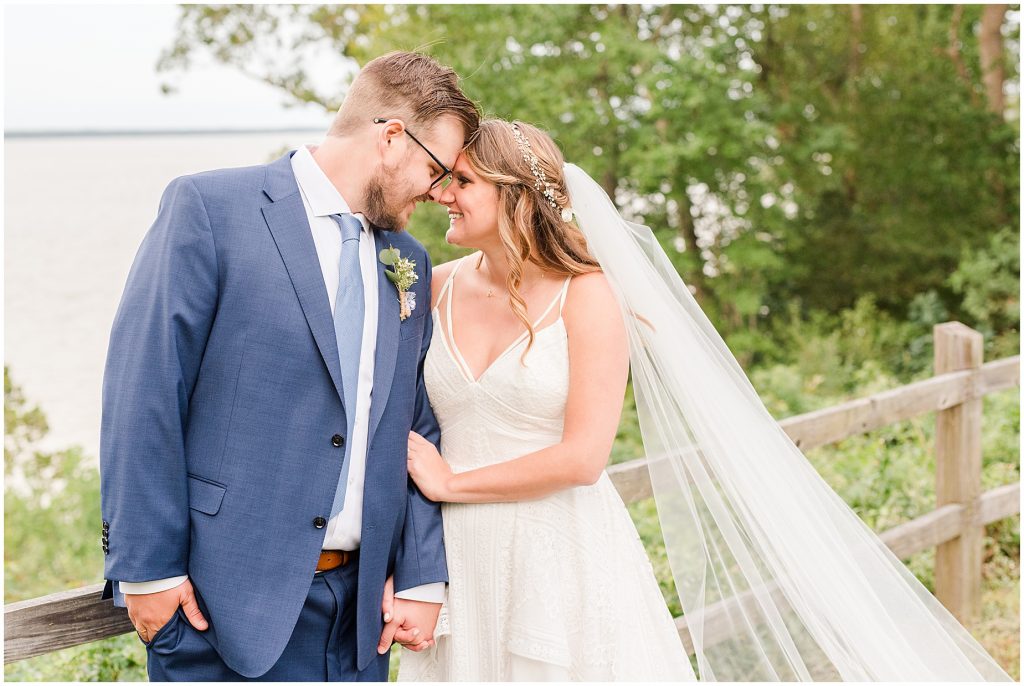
[590,297]
[590,286]
[593,320]
[439,275]
[442,271]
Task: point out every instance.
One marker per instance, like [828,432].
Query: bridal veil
[778,578]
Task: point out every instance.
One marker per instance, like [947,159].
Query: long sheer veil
[778,579]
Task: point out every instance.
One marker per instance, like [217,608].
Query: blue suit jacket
[221,396]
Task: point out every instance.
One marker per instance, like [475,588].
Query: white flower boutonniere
[403,275]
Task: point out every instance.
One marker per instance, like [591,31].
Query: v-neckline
[453,347]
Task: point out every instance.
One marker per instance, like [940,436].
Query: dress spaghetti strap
[565,292]
[446,287]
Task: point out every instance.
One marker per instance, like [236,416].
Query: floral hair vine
[540,182]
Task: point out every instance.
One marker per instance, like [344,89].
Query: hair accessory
[540,179]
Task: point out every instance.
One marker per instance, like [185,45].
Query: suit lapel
[286,217]
[387,337]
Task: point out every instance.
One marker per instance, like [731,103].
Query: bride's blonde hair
[530,229]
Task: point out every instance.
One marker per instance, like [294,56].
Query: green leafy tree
[897,162]
[988,278]
[809,154]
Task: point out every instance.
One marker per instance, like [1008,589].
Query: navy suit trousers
[321,648]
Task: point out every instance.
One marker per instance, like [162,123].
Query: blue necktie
[349,312]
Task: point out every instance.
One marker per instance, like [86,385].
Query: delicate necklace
[479,263]
[490,290]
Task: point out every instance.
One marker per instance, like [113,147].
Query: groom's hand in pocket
[149,612]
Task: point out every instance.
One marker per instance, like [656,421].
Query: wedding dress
[779,580]
[557,588]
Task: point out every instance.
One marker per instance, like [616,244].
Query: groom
[261,382]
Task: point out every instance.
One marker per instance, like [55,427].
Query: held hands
[149,612]
[428,469]
[403,620]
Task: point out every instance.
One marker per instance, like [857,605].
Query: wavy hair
[530,229]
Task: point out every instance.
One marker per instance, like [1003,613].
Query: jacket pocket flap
[204,496]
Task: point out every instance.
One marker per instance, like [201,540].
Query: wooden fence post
[958,475]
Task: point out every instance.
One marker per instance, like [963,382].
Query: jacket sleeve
[421,559]
[153,359]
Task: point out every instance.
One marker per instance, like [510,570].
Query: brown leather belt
[332,559]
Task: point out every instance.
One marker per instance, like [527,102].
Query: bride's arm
[598,369]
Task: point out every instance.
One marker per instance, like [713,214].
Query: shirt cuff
[427,593]
[155,586]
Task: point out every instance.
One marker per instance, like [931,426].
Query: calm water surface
[75,211]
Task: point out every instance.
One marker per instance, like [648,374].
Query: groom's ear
[389,145]
[390,129]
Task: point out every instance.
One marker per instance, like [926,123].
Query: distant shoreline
[158,132]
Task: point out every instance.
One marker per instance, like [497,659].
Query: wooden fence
[956,527]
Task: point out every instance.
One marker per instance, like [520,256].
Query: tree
[813,154]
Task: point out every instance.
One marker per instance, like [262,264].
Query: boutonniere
[403,274]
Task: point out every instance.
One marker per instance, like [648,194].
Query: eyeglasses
[445,177]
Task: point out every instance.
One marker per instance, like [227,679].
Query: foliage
[893,157]
[51,508]
[791,153]
[887,477]
[989,280]
[52,543]
[23,425]
[121,658]
[829,180]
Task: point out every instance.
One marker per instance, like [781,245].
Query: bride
[548,579]
[534,335]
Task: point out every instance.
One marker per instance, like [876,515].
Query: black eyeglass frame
[445,171]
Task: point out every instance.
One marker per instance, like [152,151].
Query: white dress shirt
[321,199]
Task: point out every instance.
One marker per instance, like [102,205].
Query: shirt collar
[323,198]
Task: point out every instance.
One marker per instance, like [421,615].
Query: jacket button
[337,440]
[319,522]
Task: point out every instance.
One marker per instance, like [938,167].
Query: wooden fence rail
[69,618]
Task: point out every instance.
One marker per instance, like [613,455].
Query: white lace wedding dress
[558,588]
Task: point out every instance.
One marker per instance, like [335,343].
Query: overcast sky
[85,67]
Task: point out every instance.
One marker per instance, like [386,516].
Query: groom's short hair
[408,86]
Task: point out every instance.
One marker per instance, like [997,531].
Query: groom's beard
[384,203]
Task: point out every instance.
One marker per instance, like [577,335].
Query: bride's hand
[428,469]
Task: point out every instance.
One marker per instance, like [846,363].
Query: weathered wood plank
[69,618]
[1000,375]
[1000,503]
[830,425]
[632,480]
[60,620]
[926,531]
[938,526]
[715,622]
[958,474]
